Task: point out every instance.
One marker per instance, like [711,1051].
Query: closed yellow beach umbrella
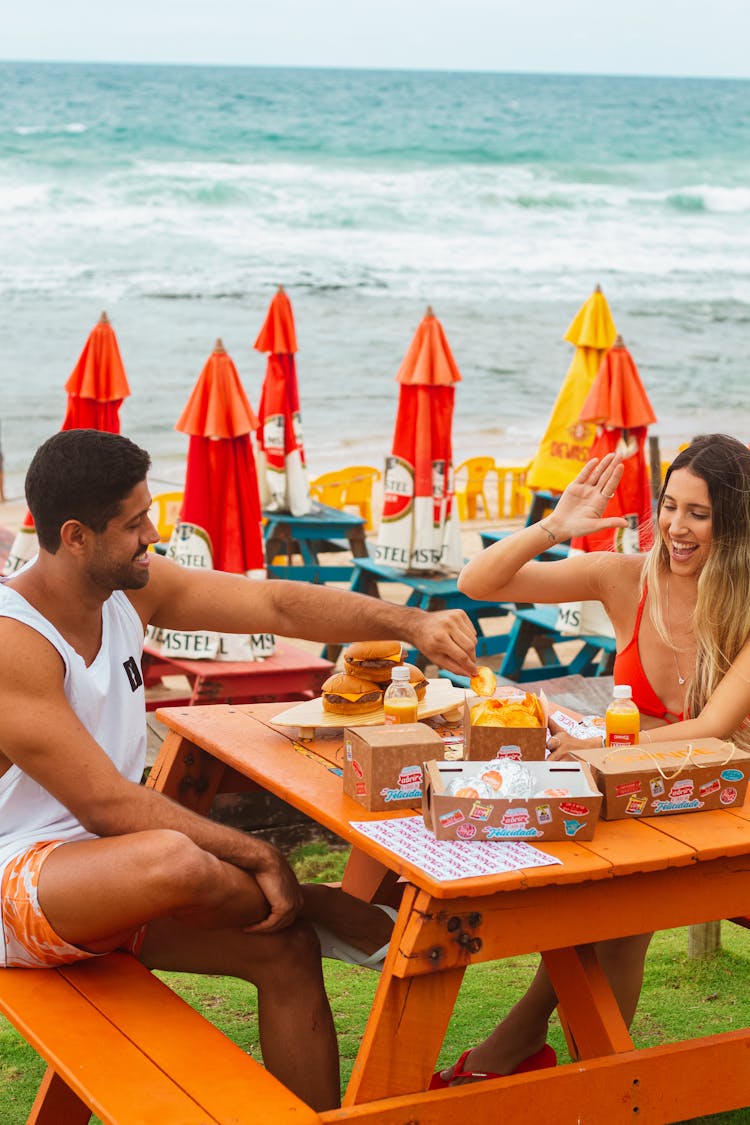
[566,444]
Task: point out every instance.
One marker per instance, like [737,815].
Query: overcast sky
[669,37]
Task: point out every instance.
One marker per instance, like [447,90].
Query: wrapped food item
[504,778]
[513,712]
[518,781]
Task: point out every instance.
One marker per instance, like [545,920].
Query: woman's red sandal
[540,1060]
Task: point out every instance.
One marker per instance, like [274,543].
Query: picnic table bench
[119,1043]
[535,628]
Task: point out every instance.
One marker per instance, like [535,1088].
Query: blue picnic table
[428,593]
[300,540]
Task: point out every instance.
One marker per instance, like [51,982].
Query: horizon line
[369,69]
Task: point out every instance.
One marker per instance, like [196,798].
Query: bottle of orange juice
[400,699]
[622,719]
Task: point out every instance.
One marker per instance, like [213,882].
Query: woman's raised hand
[580,509]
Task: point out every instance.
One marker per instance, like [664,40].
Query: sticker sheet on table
[444,860]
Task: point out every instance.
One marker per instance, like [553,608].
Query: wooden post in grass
[704,939]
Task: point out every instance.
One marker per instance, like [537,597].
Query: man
[90,860]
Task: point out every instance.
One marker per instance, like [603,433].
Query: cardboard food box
[383,765]
[543,818]
[482,744]
[659,778]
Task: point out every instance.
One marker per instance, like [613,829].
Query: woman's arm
[505,571]
[724,712]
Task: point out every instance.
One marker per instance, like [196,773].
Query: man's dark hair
[81,475]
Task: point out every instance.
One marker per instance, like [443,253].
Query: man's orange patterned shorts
[30,941]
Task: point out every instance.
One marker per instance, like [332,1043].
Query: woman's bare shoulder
[618,572]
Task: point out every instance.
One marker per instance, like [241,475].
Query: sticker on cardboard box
[573,826]
[628,787]
[515,817]
[511,752]
[409,783]
[656,786]
[448,819]
[356,767]
[635,806]
[515,833]
[709,788]
[466,831]
[361,789]
[479,811]
[728,796]
[544,814]
[677,806]
[681,790]
[573,808]
[732,775]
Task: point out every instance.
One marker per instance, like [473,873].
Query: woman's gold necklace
[680,677]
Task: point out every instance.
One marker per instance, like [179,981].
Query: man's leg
[297,1035]
[94,893]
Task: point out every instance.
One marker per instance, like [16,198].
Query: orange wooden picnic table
[634,876]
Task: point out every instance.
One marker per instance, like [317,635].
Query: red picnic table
[291,673]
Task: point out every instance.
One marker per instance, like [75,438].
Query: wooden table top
[241,737]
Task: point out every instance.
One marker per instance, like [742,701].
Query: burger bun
[342,694]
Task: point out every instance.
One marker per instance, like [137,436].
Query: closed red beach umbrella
[283,474]
[620,407]
[419,526]
[220,519]
[97,384]
[221,485]
[96,387]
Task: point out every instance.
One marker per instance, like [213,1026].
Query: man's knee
[177,869]
[295,949]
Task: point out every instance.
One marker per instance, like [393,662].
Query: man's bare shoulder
[164,580]
[25,652]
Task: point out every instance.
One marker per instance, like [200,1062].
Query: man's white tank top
[108,698]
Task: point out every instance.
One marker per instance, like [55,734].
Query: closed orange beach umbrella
[419,527]
[618,396]
[619,406]
[97,384]
[566,444]
[283,474]
[96,388]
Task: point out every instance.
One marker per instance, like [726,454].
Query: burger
[418,680]
[342,694]
[373,660]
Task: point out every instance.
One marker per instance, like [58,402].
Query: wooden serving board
[441,698]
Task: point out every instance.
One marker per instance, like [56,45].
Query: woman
[681,617]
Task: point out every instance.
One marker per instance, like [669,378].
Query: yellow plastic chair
[470,477]
[513,495]
[165,512]
[347,488]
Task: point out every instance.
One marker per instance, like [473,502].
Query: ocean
[177,198]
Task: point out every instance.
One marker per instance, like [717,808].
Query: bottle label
[622,739]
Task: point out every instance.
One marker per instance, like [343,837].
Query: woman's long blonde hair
[721,618]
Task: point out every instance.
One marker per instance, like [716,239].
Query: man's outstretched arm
[184,598]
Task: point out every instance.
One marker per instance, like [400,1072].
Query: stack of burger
[360,688]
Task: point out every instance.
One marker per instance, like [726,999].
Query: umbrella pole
[654,460]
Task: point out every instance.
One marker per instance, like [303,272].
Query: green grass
[681,998]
